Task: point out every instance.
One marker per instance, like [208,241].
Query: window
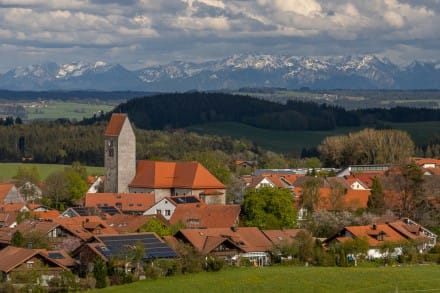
[167,213]
[158,212]
[29,264]
[111,150]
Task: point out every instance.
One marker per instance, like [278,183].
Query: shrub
[214,264]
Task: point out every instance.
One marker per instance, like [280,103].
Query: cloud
[139,32]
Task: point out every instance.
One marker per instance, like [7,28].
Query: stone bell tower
[119,154]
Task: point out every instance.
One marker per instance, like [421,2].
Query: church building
[124,175]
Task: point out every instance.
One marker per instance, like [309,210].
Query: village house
[120,248]
[234,244]
[394,233]
[130,203]
[16,262]
[10,194]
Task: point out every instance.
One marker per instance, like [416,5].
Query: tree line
[180,110]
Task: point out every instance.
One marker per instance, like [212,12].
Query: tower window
[111,149]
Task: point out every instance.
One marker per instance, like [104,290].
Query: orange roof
[371,234]
[282,236]
[115,125]
[77,226]
[4,190]
[154,174]
[247,239]
[206,216]
[353,199]
[13,257]
[46,215]
[423,161]
[133,202]
[124,223]
[12,207]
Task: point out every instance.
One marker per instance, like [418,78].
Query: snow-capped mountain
[246,70]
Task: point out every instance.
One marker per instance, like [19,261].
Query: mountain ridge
[233,72]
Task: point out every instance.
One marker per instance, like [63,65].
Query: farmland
[8,170]
[296,279]
[294,141]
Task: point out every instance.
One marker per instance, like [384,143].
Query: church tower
[120,154]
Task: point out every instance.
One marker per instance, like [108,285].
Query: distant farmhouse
[163,179]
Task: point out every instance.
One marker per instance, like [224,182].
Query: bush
[169,267]
[152,272]
[214,264]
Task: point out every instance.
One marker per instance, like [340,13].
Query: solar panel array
[110,210]
[185,199]
[121,245]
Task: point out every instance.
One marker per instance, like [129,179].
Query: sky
[140,33]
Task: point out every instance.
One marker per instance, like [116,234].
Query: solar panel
[185,199]
[56,255]
[119,245]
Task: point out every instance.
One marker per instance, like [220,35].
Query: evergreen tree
[376,201]
[100,273]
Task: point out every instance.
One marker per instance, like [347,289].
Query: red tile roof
[77,226]
[278,237]
[124,223]
[371,234]
[115,125]
[206,216]
[155,174]
[127,202]
[247,239]
[5,188]
[12,257]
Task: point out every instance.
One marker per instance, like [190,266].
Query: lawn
[295,141]
[51,110]
[296,279]
[8,170]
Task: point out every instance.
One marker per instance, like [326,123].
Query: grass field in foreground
[296,279]
[9,170]
[295,141]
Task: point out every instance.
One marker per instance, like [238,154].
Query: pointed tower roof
[115,125]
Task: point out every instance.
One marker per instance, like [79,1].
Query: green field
[296,279]
[50,110]
[295,141]
[8,170]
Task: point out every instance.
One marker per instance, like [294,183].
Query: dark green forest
[173,111]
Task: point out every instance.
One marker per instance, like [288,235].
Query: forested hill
[168,111]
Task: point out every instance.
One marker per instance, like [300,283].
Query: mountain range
[234,72]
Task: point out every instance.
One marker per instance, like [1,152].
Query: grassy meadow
[51,110]
[9,170]
[296,279]
[294,141]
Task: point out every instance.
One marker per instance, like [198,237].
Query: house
[16,260]
[58,236]
[132,203]
[206,216]
[167,206]
[86,227]
[234,244]
[10,194]
[272,180]
[166,179]
[380,234]
[120,247]
[163,179]
[126,223]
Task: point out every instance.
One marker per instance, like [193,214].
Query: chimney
[234,229]
[374,226]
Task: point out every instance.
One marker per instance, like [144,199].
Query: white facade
[164,207]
